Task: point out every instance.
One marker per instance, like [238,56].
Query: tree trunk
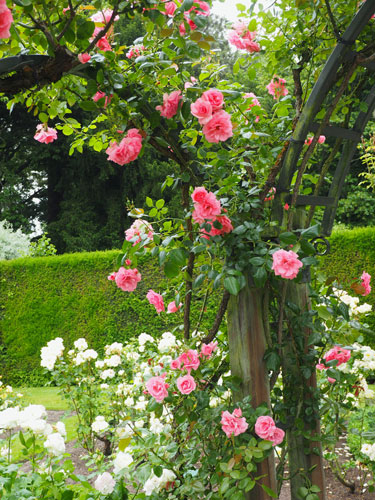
[305,456]
[247,345]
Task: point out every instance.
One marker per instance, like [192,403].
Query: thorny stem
[218,319]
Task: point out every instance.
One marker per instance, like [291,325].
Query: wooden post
[305,456]
[247,345]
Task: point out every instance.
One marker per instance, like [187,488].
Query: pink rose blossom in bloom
[103,43]
[199,195]
[286,264]
[203,8]
[170,104]
[128,149]
[175,364]
[45,134]
[366,278]
[242,38]
[209,206]
[135,51]
[202,110]
[102,95]
[266,428]
[225,223]
[112,276]
[170,9]
[254,102]
[127,279]
[186,384]
[331,380]
[6,20]
[208,349]
[139,228]
[189,360]
[321,140]
[103,16]
[215,98]
[157,387]
[84,58]
[277,88]
[233,423]
[172,308]
[128,262]
[286,206]
[219,128]
[338,353]
[156,300]
[191,83]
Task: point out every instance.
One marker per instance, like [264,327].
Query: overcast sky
[228,8]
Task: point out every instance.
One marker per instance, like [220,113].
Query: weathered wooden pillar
[305,455]
[247,345]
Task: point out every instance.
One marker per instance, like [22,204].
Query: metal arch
[341,54]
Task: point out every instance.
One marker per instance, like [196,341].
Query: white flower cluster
[155,483]
[115,348]
[167,341]
[352,302]
[369,450]
[83,356]
[81,344]
[368,358]
[142,339]
[99,424]
[49,354]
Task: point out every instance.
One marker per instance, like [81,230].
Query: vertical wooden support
[305,456]
[247,345]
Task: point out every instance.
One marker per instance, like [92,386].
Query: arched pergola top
[343,56]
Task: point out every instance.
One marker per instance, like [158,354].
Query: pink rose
[128,262]
[45,134]
[219,128]
[202,10]
[208,349]
[170,9]
[254,102]
[112,276]
[226,227]
[199,195]
[277,88]
[156,300]
[215,98]
[366,277]
[208,208]
[157,388]
[186,384]
[102,95]
[286,264]
[331,380]
[103,17]
[202,110]
[175,364]
[170,104]
[338,353]
[172,308]
[233,423]
[140,228]
[242,38]
[103,43]
[128,149]
[84,58]
[135,51]
[189,360]
[265,427]
[278,436]
[127,279]
[6,20]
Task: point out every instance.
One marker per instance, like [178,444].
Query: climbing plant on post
[245,176]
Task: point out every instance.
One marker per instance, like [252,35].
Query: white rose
[55,444]
[105,483]
[80,344]
[121,461]
[99,424]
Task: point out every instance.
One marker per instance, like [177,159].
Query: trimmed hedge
[352,252]
[69,296]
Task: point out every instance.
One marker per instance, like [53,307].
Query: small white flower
[99,424]
[80,344]
[122,461]
[55,444]
[144,337]
[60,427]
[113,361]
[110,373]
[105,483]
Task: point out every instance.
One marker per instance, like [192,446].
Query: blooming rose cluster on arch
[128,149]
[277,87]
[217,125]
[140,229]
[242,38]
[6,19]
[100,19]
[265,428]
[170,104]
[207,209]
[202,9]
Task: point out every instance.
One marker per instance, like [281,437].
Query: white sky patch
[229,10]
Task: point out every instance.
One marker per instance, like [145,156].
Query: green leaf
[288,238]
[232,285]
[302,492]
[160,204]
[260,277]
[171,269]
[67,495]
[311,232]
[187,5]
[158,470]
[85,30]
[257,261]
[88,105]
[270,492]
[149,202]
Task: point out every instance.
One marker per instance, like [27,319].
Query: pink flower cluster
[277,88]
[203,9]
[170,9]
[188,361]
[366,278]
[138,229]
[271,194]
[6,20]
[321,140]
[126,279]
[286,264]
[242,38]
[217,125]
[135,51]
[170,104]
[338,353]
[266,428]
[102,18]
[157,387]
[45,134]
[156,300]
[233,423]
[207,208]
[208,349]
[84,58]
[128,149]
[254,102]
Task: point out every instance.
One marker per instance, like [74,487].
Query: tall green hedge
[352,252]
[69,296]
